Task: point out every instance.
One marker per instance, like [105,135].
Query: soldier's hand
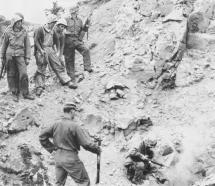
[43,52]
[27,61]
[143,157]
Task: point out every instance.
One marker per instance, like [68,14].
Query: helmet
[51,18]
[73,9]
[70,106]
[16,18]
[150,142]
[62,22]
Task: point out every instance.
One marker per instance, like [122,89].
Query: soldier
[45,55]
[16,52]
[74,41]
[137,164]
[67,138]
[59,40]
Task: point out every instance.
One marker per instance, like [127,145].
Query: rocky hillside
[153,79]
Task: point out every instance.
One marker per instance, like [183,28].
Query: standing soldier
[67,138]
[60,38]
[74,41]
[16,53]
[45,55]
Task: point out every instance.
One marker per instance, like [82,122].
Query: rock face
[26,167]
[129,126]
[208,181]
[21,122]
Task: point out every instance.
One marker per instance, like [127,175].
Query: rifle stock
[98,165]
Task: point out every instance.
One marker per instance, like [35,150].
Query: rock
[208,181]
[120,93]
[134,124]
[200,41]
[21,122]
[175,15]
[166,150]
[3,145]
[113,95]
[197,22]
[114,84]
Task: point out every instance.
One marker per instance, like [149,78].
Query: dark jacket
[16,43]
[75,27]
[39,35]
[68,136]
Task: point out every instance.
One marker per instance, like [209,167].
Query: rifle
[87,24]
[3,68]
[147,160]
[98,162]
[156,163]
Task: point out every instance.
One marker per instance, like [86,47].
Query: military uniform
[73,41]
[67,139]
[16,50]
[59,42]
[138,168]
[44,39]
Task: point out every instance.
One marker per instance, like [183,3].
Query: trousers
[17,77]
[42,61]
[68,163]
[71,45]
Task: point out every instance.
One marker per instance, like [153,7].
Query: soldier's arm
[56,40]
[27,47]
[83,30]
[45,139]
[5,44]
[62,44]
[85,141]
[37,37]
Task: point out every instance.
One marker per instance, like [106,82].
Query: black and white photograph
[107,92]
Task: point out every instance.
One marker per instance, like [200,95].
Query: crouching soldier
[16,53]
[45,55]
[67,138]
[138,165]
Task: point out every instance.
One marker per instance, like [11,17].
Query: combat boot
[72,85]
[90,70]
[39,91]
[28,96]
[15,96]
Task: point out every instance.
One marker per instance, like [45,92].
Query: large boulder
[21,121]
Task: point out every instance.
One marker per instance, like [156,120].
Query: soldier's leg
[12,73]
[69,55]
[85,52]
[40,73]
[23,77]
[61,175]
[59,70]
[57,67]
[77,172]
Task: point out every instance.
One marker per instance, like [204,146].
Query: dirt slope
[124,34]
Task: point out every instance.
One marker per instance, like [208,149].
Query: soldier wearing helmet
[59,40]
[74,41]
[44,38]
[16,52]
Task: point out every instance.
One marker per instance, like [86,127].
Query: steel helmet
[62,22]
[16,18]
[73,9]
[51,18]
